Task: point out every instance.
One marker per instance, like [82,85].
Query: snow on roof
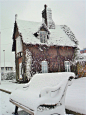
[81,57]
[57,35]
[81,60]
[84,54]
[7,64]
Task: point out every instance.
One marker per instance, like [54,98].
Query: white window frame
[44,66]
[43,36]
[67,66]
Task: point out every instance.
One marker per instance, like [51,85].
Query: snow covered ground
[75,97]
[7,108]
[8,85]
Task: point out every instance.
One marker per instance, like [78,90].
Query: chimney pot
[45,6]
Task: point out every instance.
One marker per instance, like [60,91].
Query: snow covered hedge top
[57,35]
[81,57]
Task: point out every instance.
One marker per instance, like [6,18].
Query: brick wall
[55,56]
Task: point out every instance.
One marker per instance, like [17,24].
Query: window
[67,66]
[44,67]
[18,45]
[9,68]
[2,68]
[43,36]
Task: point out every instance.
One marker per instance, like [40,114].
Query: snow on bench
[44,94]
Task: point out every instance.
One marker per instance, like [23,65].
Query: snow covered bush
[28,63]
[10,75]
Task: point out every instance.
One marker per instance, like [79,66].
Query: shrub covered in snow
[10,75]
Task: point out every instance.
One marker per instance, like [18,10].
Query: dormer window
[43,36]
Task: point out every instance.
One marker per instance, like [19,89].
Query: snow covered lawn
[76,96]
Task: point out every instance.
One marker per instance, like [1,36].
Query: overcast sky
[64,12]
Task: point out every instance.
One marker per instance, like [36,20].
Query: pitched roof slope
[57,35]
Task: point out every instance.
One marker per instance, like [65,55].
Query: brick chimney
[44,14]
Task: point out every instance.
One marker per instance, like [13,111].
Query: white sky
[69,12]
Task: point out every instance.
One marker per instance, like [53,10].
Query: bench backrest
[40,81]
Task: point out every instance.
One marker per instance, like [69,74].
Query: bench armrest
[53,91]
[49,91]
[70,80]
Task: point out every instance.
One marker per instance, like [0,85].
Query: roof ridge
[57,35]
[38,22]
[27,21]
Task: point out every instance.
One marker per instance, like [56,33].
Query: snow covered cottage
[41,47]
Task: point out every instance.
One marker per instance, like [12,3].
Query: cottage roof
[58,36]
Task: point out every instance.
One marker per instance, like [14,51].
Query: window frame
[43,36]
[67,66]
[44,66]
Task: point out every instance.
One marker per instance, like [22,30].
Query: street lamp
[4,63]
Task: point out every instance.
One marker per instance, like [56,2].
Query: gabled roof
[57,36]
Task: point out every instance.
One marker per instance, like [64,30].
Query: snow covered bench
[44,94]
